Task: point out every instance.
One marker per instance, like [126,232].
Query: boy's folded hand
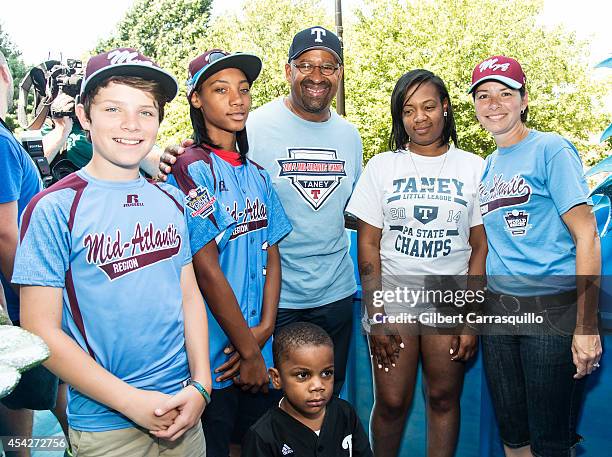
[190,405]
[141,407]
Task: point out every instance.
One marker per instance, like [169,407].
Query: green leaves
[384,39]
[449,37]
[17,67]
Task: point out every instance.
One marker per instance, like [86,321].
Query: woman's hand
[463,347]
[586,353]
[384,348]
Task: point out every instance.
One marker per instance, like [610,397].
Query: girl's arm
[271,296]
[223,304]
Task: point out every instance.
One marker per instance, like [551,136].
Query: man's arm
[9,233]
[54,141]
[224,306]
[41,314]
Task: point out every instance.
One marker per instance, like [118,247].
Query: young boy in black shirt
[309,420]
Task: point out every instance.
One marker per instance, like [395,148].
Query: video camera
[49,80]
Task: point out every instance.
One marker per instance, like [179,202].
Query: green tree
[18,69]
[449,37]
[165,30]
[169,31]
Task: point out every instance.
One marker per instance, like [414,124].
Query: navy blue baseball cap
[315,38]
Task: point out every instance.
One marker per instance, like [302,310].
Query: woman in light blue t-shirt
[543,259]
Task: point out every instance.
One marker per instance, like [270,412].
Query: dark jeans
[535,397]
[230,414]
[336,319]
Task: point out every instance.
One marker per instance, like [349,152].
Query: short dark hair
[146,85]
[296,335]
[525,112]
[200,133]
[398,137]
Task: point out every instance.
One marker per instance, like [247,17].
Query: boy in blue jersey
[216,169]
[105,268]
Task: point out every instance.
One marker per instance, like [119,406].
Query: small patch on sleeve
[201,202]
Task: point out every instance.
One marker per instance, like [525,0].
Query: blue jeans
[535,397]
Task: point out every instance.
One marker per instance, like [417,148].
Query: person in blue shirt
[216,169]
[107,281]
[19,182]
[544,256]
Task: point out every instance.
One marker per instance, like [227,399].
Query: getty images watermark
[510,305]
[437,305]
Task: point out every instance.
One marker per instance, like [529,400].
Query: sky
[69,28]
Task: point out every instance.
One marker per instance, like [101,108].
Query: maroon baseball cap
[216,60]
[127,62]
[498,68]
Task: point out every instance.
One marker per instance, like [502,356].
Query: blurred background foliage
[383,39]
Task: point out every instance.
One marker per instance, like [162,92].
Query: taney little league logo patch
[200,201]
[315,173]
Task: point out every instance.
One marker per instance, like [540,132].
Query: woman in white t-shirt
[418,219]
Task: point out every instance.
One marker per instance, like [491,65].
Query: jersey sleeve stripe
[76,311]
[181,168]
[171,197]
[72,181]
